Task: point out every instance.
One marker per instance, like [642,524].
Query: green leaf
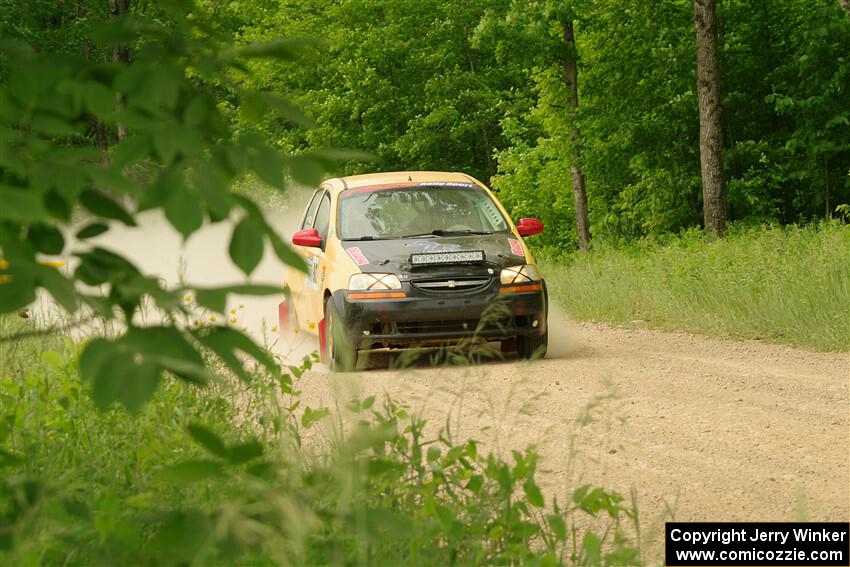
[198,109]
[331,156]
[592,500]
[268,164]
[105,207]
[311,416]
[168,348]
[208,440]
[191,471]
[9,459]
[227,343]
[58,206]
[592,547]
[60,287]
[306,170]
[168,182]
[244,452]
[46,239]
[558,526]
[53,359]
[287,110]
[165,142]
[475,483]
[131,149]
[16,293]
[216,298]
[246,245]
[22,205]
[285,253]
[183,210]
[181,538]
[92,230]
[51,125]
[123,380]
[113,31]
[112,178]
[532,492]
[99,266]
[99,99]
[94,356]
[278,49]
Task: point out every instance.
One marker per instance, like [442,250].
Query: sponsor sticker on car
[516,247]
[312,262]
[357,255]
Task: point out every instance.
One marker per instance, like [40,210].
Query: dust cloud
[202,260]
[562,344]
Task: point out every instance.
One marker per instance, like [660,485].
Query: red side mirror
[308,237]
[529,227]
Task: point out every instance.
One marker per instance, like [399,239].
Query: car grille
[437,326]
[452,285]
[448,326]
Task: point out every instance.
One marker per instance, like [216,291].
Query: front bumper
[434,318]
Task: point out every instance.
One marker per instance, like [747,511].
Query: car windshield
[421,211]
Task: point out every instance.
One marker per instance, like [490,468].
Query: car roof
[370,179]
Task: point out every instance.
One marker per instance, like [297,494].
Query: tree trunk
[100,138]
[710,129]
[120,54]
[579,192]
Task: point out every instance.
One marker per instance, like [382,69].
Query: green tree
[179,155]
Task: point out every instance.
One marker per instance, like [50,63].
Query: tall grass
[786,285]
[220,476]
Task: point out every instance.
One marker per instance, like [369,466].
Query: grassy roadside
[221,476]
[786,285]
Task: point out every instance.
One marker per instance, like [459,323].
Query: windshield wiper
[368,237]
[444,232]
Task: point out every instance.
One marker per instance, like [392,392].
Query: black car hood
[394,255]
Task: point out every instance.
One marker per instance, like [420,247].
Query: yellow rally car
[413,259]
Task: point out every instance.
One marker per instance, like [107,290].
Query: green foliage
[479,87]
[787,151]
[400,79]
[230,475]
[788,285]
[180,156]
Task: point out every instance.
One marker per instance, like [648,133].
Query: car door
[295,279]
[318,264]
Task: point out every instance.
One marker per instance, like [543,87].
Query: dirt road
[702,429]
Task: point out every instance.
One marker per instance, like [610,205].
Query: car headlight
[519,274]
[369,281]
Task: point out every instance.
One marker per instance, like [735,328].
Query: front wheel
[341,355]
[533,346]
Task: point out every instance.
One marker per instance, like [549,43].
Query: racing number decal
[516,247]
[312,269]
[357,255]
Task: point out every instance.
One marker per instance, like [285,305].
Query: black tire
[533,346]
[342,357]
